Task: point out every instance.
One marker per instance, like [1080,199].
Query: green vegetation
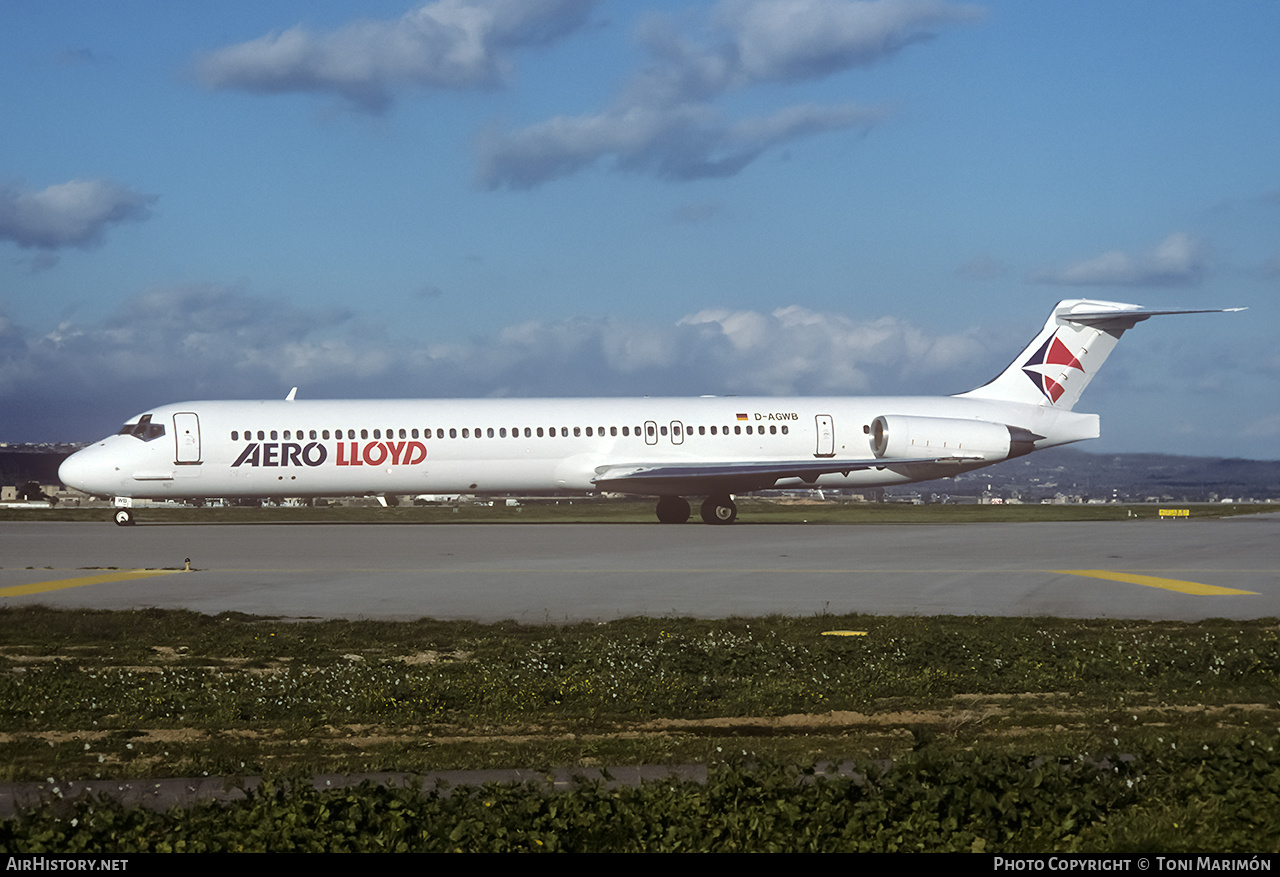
[640,511]
[1161,801]
[957,733]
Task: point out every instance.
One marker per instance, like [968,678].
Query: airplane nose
[83,471]
[72,471]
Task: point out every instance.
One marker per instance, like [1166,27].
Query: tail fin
[1063,358]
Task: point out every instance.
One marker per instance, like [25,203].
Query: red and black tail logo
[1052,357]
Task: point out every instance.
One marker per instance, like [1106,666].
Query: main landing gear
[715,510]
[124,517]
[672,510]
[719,510]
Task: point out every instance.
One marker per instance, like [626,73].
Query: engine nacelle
[903,436]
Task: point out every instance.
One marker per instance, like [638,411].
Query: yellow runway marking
[1181,587]
[119,576]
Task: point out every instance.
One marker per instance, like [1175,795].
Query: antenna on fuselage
[292,393]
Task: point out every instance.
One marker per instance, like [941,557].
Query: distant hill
[39,463]
[1132,477]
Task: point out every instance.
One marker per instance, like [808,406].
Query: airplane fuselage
[352,447]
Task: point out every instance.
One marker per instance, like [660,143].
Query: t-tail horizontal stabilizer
[1062,359]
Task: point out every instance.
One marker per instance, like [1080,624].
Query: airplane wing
[713,478]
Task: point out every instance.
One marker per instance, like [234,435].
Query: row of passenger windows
[676,431]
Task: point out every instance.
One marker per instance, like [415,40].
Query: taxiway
[1179,570]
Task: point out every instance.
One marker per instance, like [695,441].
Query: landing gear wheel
[719,510]
[124,518]
[672,510]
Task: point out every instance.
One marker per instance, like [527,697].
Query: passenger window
[324,433]
[453,432]
[235,436]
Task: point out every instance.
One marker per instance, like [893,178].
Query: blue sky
[585,197]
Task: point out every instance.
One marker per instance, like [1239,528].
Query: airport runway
[1182,570]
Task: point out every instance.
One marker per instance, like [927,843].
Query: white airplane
[709,447]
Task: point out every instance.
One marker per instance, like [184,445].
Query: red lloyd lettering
[377,453]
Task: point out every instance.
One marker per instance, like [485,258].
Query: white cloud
[684,142]
[71,214]
[1177,260]
[792,40]
[797,350]
[448,44]
[171,344]
[665,123]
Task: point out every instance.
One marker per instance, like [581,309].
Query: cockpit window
[143,429]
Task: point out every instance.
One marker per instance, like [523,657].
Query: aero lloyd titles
[283,454]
